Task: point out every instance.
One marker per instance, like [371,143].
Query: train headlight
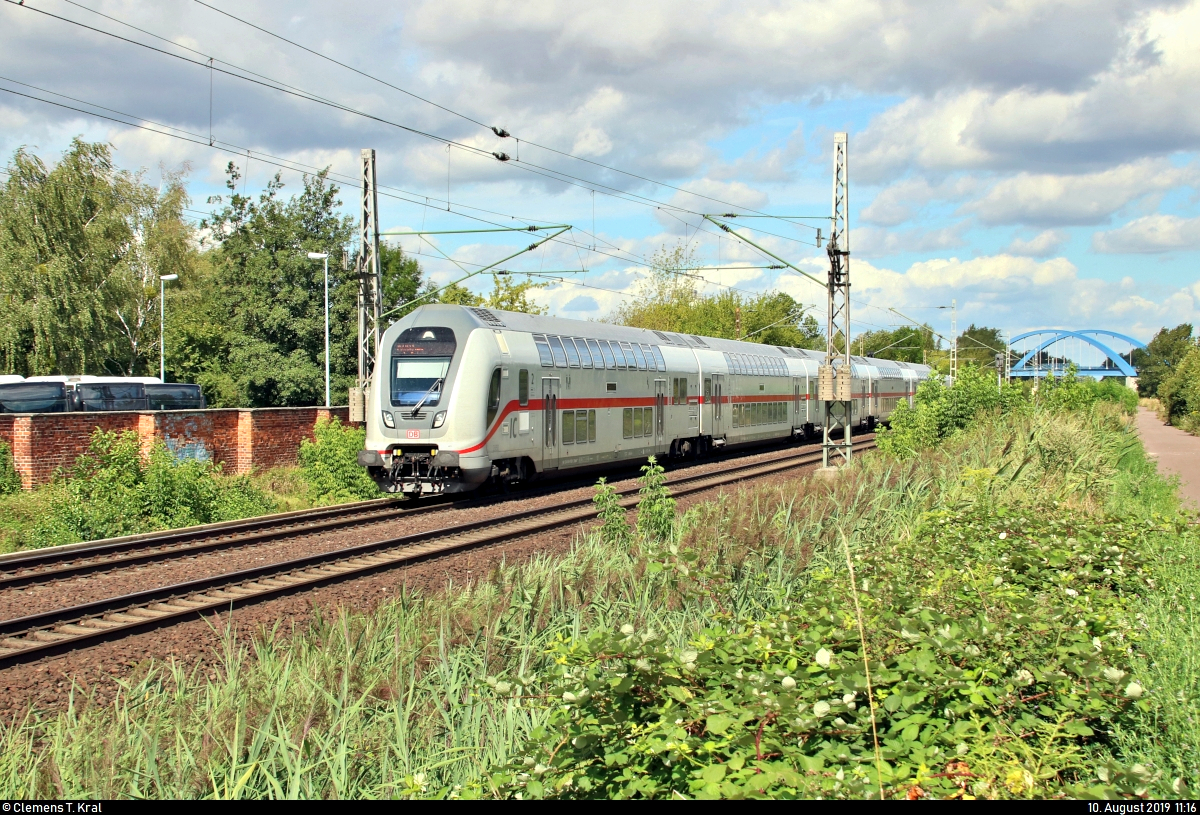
[388,420]
[439,419]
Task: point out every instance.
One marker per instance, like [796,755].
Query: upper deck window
[560,356]
[607,352]
[543,349]
[572,353]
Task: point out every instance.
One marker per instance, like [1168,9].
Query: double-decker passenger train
[461,396]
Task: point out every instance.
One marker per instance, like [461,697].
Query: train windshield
[420,361]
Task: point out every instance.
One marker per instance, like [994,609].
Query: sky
[1033,163]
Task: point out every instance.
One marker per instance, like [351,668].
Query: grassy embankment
[1026,600]
[113,490]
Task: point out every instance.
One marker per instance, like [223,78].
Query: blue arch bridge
[1093,351]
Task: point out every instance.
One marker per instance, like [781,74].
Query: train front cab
[417,397]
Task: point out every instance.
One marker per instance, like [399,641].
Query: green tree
[980,344]
[1180,392]
[508,295]
[667,300]
[82,245]
[904,344]
[401,276]
[268,296]
[1161,355]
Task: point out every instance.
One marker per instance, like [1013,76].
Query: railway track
[77,560]
[58,630]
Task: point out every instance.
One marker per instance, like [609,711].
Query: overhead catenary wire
[287,164]
[496,130]
[280,162]
[278,85]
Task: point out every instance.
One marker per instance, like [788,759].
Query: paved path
[1176,452]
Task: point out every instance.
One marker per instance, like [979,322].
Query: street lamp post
[325,257]
[162,323]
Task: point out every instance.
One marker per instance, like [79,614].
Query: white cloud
[1088,198]
[872,242]
[1151,234]
[901,201]
[1145,101]
[1041,245]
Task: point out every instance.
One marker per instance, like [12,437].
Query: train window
[568,427]
[609,361]
[581,426]
[493,402]
[591,425]
[543,350]
[640,357]
[619,355]
[637,421]
[523,386]
[597,356]
[651,364]
[648,421]
[658,358]
[585,356]
[627,423]
[560,356]
[572,354]
[743,364]
[630,359]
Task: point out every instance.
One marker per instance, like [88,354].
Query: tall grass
[392,702]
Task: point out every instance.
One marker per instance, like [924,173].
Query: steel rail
[74,560]
[64,629]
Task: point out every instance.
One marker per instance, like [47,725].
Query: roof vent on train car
[488,317]
[663,337]
[696,341]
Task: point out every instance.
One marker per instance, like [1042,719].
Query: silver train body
[463,396]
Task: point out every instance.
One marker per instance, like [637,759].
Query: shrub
[330,463]
[10,479]
[939,410]
[972,693]
[113,489]
[1069,392]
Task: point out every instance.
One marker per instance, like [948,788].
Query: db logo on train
[414,434]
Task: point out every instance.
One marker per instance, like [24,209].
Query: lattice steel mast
[835,375]
[369,288]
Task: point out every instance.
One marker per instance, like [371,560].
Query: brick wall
[241,440]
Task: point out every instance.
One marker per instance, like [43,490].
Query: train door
[798,393]
[660,412]
[550,387]
[718,405]
[813,415]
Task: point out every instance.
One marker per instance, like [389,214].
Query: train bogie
[462,396]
